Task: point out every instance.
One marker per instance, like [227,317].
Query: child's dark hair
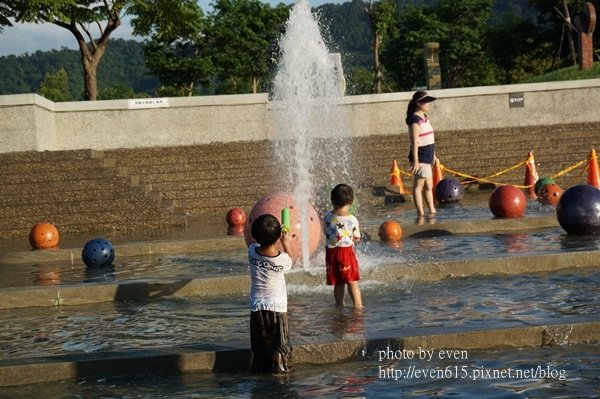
[342,195]
[266,230]
[412,105]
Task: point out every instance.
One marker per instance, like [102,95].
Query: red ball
[550,194]
[236,217]
[390,231]
[508,202]
[43,235]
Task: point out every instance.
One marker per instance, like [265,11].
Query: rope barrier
[486,179]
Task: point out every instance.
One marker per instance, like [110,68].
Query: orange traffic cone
[395,179]
[593,178]
[437,173]
[531,176]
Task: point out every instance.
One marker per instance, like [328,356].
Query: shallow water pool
[468,303]
[233,262]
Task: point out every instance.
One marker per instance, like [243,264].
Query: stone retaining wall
[30,122]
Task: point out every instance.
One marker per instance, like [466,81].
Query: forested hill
[512,47]
[122,66]
[348,32]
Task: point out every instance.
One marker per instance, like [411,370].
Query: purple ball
[578,210]
[448,190]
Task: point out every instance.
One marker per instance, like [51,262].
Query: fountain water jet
[310,126]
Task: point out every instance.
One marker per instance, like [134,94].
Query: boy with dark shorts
[341,232]
[269,333]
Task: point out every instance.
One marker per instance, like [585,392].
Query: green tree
[78,17]
[5,13]
[177,50]
[382,17]
[55,86]
[517,48]
[402,56]
[555,26]
[244,34]
[347,30]
[119,92]
[463,50]
[460,26]
[360,81]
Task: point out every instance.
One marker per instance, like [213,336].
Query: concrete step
[75,206]
[133,188]
[209,166]
[117,221]
[253,190]
[67,176]
[208,150]
[69,196]
[212,184]
[217,205]
[93,185]
[24,157]
[47,167]
[224,155]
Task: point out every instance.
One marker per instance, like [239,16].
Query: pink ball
[236,217]
[273,203]
[508,202]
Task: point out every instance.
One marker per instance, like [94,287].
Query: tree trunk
[254,84]
[92,52]
[378,75]
[89,62]
[570,34]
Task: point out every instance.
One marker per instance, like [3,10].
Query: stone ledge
[144,288]
[198,358]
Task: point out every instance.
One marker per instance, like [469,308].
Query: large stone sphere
[578,210]
[236,217]
[448,190]
[43,236]
[390,231]
[98,252]
[508,202]
[273,203]
[550,194]
[542,181]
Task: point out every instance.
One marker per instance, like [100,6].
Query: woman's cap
[420,97]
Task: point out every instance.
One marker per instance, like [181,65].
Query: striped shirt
[425,141]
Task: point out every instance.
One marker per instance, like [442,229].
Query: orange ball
[43,235]
[550,194]
[390,231]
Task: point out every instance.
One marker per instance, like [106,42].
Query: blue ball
[578,210]
[98,252]
[448,190]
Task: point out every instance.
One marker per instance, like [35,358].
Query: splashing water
[310,126]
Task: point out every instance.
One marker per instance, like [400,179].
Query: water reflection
[99,274]
[357,379]
[47,275]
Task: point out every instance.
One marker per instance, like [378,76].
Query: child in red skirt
[341,232]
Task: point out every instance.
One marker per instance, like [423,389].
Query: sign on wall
[139,103]
[516,100]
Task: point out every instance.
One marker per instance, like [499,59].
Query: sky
[28,38]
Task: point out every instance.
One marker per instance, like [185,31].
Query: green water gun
[285,220]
